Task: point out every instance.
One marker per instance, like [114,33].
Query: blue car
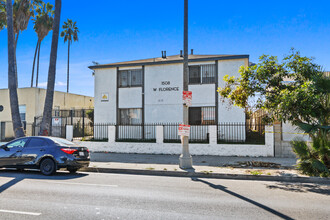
[48,154]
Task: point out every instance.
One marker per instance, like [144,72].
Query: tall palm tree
[47,115]
[43,23]
[69,33]
[17,123]
[23,10]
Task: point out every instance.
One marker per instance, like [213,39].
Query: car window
[37,142]
[62,142]
[18,143]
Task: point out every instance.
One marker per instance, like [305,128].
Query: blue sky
[112,31]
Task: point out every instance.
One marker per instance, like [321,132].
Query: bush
[314,157]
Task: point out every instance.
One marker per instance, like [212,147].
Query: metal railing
[198,133]
[241,133]
[136,133]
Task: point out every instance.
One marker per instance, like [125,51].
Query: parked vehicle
[45,153]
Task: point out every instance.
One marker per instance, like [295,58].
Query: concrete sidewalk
[244,168]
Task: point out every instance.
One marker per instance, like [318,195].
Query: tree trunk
[67,80]
[16,39]
[12,80]
[34,62]
[37,76]
[47,115]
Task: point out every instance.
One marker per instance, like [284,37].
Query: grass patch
[256,172]
[150,168]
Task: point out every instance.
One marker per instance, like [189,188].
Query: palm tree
[23,10]
[43,23]
[17,123]
[69,33]
[47,115]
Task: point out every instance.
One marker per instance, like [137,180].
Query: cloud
[44,84]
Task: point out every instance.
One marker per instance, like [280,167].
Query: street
[29,195]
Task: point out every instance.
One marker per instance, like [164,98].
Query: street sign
[187,97]
[1,108]
[184,130]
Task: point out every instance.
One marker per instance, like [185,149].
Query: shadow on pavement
[224,189]
[302,187]
[32,174]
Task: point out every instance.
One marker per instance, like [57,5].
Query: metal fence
[136,133]
[198,134]
[241,133]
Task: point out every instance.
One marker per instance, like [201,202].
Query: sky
[114,31]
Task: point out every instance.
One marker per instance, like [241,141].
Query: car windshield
[62,142]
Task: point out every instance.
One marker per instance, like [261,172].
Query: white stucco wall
[105,82]
[202,95]
[226,112]
[163,93]
[195,149]
[130,97]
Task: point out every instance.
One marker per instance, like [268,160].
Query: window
[37,142]
[18,143]
[22,112]
[56,111]
[128,78]
[131,116]
[202,74]
[201,115]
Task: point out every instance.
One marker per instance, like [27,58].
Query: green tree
[70,33]
[12,85]
[3,19]
[294,90]
[43,23]
[47,114]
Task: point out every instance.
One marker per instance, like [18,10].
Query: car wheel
[72,170]
[47,167]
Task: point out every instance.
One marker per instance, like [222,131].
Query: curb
[296,179]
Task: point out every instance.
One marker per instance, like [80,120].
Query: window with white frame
[130,78]
[130,116]
[202,74]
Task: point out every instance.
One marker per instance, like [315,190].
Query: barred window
[131,116]
[128,78]
[202,115]
[202,74]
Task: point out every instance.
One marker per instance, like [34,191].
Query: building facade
[31,105]
[150,91]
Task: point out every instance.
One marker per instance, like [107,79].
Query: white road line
[83,184]
[19,212]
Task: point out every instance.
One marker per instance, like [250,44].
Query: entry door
[11,152]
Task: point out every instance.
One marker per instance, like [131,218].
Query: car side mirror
[4,147]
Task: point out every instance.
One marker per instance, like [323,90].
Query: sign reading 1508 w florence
[166,88]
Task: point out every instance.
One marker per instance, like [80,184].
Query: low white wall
[195,149]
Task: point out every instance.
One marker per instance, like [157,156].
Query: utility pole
[185,158]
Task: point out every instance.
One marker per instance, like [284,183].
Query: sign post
[185,158]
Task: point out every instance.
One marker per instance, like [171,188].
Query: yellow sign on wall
[105,97]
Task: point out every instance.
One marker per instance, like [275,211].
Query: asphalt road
[29,195]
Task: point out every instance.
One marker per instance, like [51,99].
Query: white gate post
[213,134]
[270,138]
[159,134]
[69,132]
[111,134]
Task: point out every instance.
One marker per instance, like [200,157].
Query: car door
[33,150]
[11,152]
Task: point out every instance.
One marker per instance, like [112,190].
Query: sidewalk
[244,168]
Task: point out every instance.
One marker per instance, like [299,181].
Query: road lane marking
[19,212]
[83,184]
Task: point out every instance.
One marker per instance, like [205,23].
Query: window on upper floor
[130,116]
[202,74]
[202,115]
[130,78]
